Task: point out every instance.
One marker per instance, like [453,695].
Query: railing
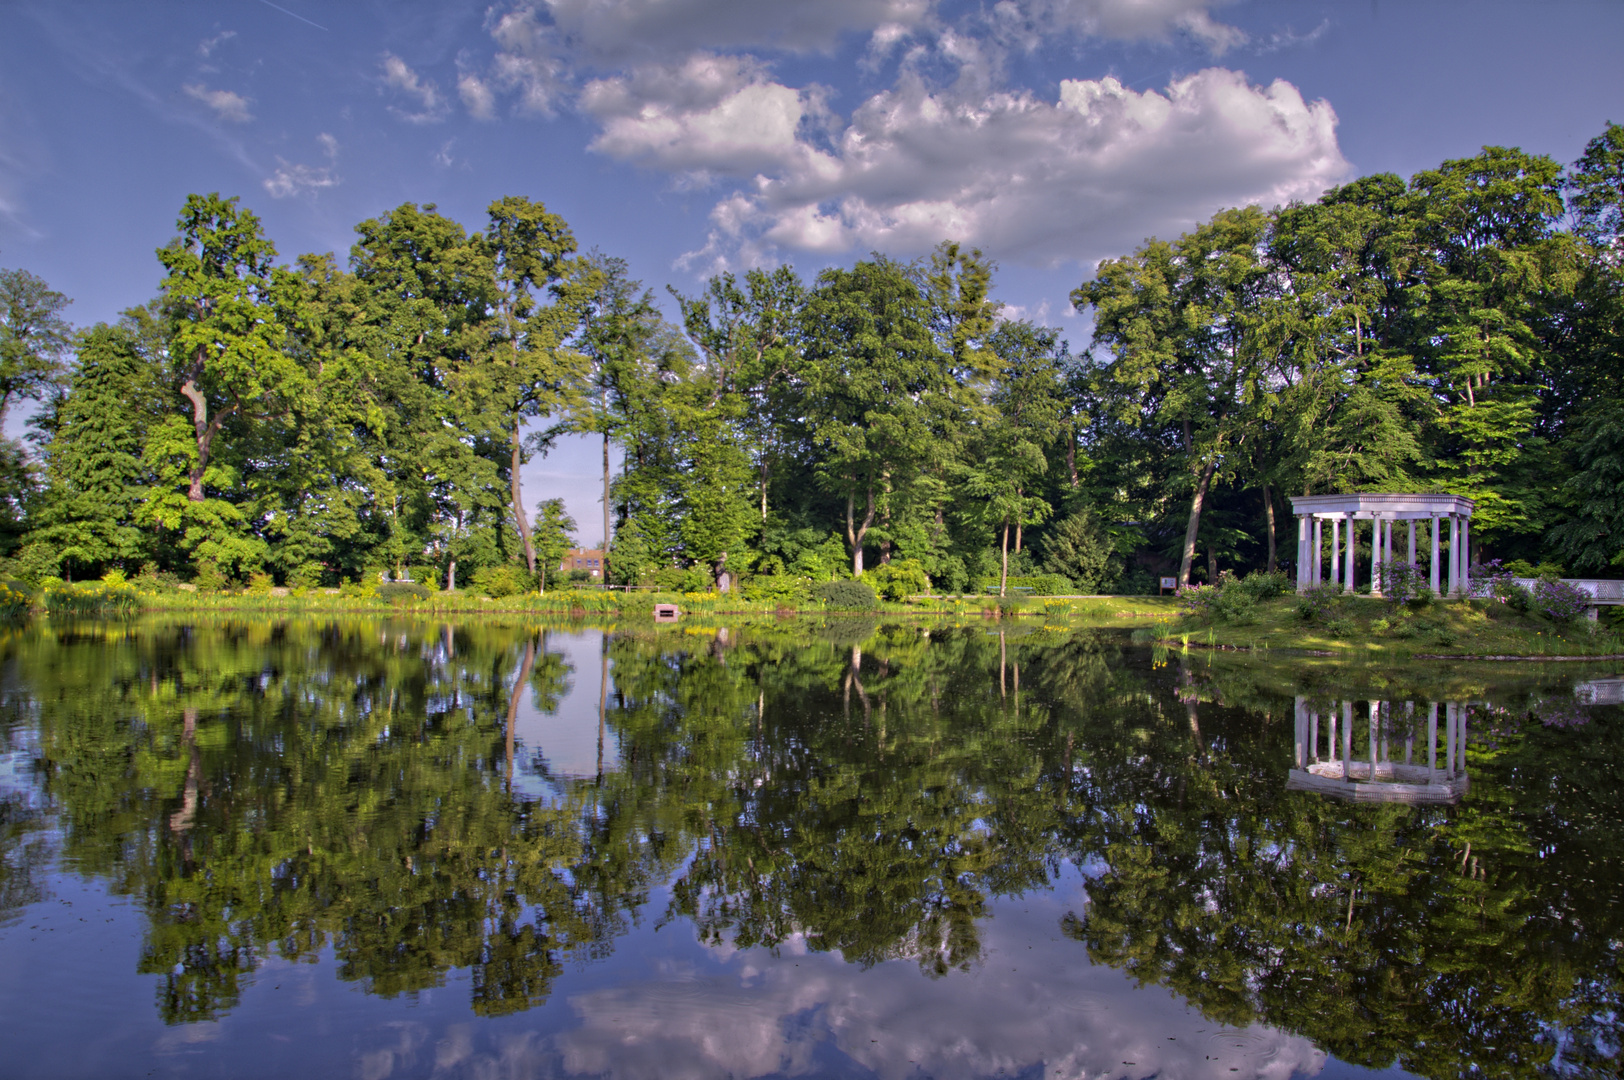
[1600,590]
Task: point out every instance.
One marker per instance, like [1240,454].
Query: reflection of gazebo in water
[1343,513]
[1374,775]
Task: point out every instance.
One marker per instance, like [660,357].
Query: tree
[533,372]
[554,532]
[33,336]
[875,383]
[1178,321]
[94,467]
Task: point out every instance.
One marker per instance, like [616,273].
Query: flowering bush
[1495,582]
[1559,601]
[1199,601]
[1403,583]
[1317,601]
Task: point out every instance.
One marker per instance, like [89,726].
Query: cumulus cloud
[226,105]
[430,104]
[1086,176]
[296,179]
[617,31]
[710,114]
[1133,20]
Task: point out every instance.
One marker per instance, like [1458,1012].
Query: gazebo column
[1336,551]
[1412,541]
[1433,565]
[1454,554]
[1375,556]
[1302,552]
[1319,570]
[1347,558]
[1465,555]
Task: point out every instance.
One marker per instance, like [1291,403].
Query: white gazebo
[1343,513]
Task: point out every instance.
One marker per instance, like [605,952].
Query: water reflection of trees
[1482,938]
[869,788]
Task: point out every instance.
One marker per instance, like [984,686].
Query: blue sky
[693,135]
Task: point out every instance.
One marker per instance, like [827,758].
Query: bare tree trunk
[1268,518]
[519,516]
[1003,574]
[1212,564]
[1071,459]
[203,429]
[764,487]
[855,533]
[605,560]
[1190,531]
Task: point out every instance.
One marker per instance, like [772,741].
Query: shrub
[846,595]
[1263,585]
[776,588]
[1338,627]
[1497,582]
[209,577]
[1559,601]
[1227,601]
[898,580]
[403,591]
[260,582]
[1318,601]
[1402,583]
[504,579]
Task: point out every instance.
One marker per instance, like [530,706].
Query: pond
[845,848]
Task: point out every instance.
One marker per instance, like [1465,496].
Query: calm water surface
[400,849]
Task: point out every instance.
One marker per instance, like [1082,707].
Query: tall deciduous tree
[533,372]
[875,380]
[33,337]
[1178,321]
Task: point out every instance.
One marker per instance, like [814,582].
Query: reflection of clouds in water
[1034,1002]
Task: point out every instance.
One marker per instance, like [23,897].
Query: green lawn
[1375,628]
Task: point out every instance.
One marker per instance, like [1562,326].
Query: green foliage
[1320,602]
[898,579]
[91,599]
[16,600]
[846,595]
[496,582]
[777,588]
[1078,547]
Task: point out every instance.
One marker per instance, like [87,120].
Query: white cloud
[710,114]
[477,97]
[295,179]
[1134,20]
[621,30]
[226,105]
[1087,176]
[207,46]
[431,104]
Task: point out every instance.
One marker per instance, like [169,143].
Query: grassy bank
[1375,628]
[1094,610]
